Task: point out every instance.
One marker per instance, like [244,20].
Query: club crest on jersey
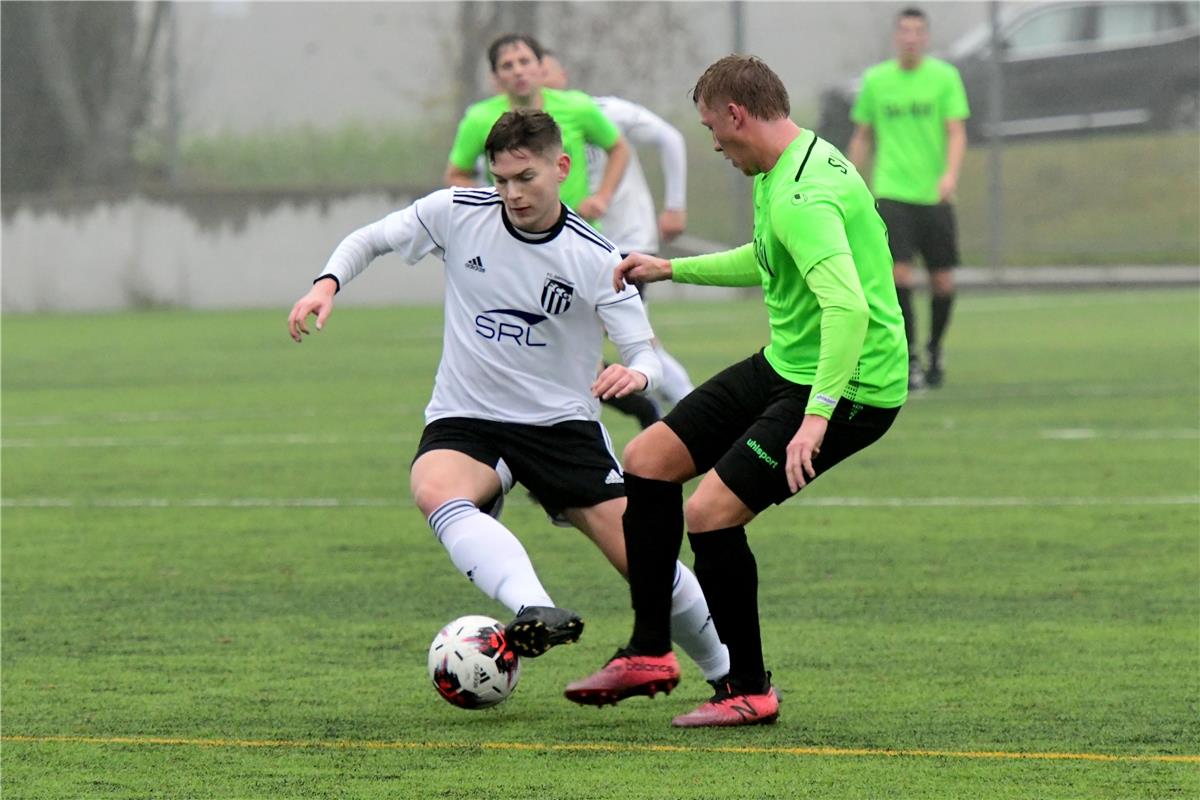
[556,295]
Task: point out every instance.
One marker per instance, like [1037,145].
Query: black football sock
[939,305]
[653,535]
[904,295]
[728,575]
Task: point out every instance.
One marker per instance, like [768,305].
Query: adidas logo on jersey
[614,477]
[476,264]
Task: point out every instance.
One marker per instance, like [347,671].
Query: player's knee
[636,457]
[428,494]
[712,508]
[700,514]
[643,459]
[942,282]
[658,454]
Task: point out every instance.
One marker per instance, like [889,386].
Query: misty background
[211,154]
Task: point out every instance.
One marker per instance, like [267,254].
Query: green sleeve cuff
[737,267]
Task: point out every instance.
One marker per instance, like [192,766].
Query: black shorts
[568,465]
[928,230]
[739,422]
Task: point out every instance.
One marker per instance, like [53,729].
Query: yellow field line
[591,747]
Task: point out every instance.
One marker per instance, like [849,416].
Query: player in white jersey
[630,221]
[528,297]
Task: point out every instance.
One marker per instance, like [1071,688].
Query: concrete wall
[140,251]
[204,252]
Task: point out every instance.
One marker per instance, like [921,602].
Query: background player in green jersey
[516,61]
[518,71]
[830,383]
[913,110]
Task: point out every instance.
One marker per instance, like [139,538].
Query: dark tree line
[77,81]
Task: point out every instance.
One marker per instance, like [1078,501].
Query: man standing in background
[631,223]
[516,61]
[912,109]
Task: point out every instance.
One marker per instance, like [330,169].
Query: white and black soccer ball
[470,663]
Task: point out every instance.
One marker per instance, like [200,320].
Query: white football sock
[675,384]
[488,554]
[692,627]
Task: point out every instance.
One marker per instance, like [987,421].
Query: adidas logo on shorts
[614,477]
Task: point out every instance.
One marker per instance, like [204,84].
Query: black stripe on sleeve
[585,225]
[417,211]
[806,155]
[458,201]
[590,236]
[632,296]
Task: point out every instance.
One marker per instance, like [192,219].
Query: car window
[975,42]
[1121,22]
[1190,12]
[1051,29]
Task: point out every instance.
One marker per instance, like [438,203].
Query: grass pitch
[215,586]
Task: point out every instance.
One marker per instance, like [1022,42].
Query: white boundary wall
[140,252]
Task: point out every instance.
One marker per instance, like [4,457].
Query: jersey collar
[549,236]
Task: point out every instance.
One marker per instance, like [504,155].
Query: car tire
[1181,112]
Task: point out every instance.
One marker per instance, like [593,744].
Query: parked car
[1071,67]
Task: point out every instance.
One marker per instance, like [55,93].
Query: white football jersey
[631,222]
[525,315]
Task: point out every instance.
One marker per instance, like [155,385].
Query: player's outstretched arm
[318,301]
[640,268]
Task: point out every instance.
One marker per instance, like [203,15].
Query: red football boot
[732,706]
[626,675]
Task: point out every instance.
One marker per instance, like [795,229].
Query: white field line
[310,439]
[154,417]
[142,417]
[403,502]
[594,747]
[240,440]
[1083,434]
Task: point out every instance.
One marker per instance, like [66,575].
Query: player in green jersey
[829,383]
[914,109]
[516,61]
[518,70]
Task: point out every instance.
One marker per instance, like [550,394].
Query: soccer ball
[470,663]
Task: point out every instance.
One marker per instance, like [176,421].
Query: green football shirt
[908,110]
[821,254]
[579,118]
